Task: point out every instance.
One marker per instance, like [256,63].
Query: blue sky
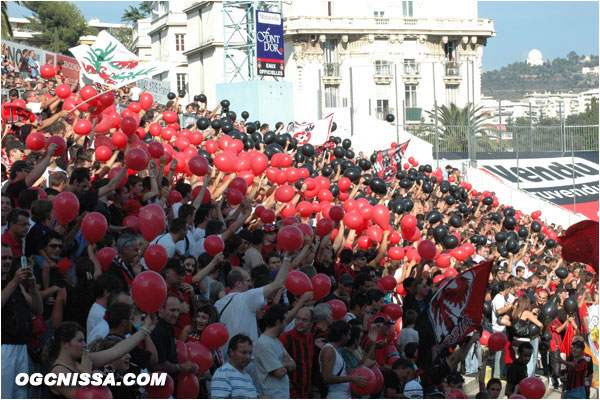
[553,27]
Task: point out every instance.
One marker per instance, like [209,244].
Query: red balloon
[324,226]
[61,145]
[443,260]
[207,196]
[156,257]
[188,386]
[336,213]
[136,159]
[82,127]
[298,283]
[234,196]
[214,336]
[93,392]
[306,230]
[400,290]
[66,207]
[182,355]
[338,309]
[35,141]
[267,216]
[291,220]
[378,379]
[393,310]
[94,227]
[364,242]
[388,282]
[408,222]
[119,139]
[114,172]
[156,150]
[289,238]
[155,129]
[106,99]
[133,222]
[213,245]
[63,91]
[305,209]
[149,291]
[496,341]
[371,382]
[396,253]
[169,117]
[381,216]
[129,125]
[321,286]
[427,249]
[152,221]
[146,101]
[135,106]
[225,162]
[395,238]
[200,355]
[532,388]
[103,153]
[239,184]
[258,211]
[105,256]
[161,392]
[450,272]
[47,71]
[352,220]
[284,193]
[344,184]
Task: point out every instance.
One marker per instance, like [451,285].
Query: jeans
[14,361]
[473,359]
[577,393]
[533,360]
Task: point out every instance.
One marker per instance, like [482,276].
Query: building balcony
[379,25]
[411,73]
[452,73]
[331,74]
[384,73]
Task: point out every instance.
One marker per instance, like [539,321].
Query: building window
[410,66]
[410,95]
[331,96]
[179,42]
[380,18]
[383,67]
[407,8]
[181,82]
[451,94]
[450,50]
[383,108]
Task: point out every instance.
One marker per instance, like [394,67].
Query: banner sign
[158,89]
[109,63]
[269,43]
[561,179]
[315,133]
[70,68]
[389,161]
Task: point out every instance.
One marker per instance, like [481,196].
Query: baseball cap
[346,279]
[381,318]
[413,390]
[270,228]
[15,145]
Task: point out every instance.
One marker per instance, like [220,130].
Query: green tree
[6,27]
[146,7]
[588,117]
[60,24]
[125,36]
[132,14]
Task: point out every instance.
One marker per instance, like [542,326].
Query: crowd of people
[66,309]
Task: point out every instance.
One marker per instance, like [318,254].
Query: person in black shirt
[517,371]
[394,380]
[163,338]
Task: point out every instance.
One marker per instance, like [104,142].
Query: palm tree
[6,27]
[146,7]
[132,15]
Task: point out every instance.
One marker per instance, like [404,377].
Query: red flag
[580,243]
[388,161]
[453,312]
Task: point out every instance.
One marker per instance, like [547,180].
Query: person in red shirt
[18,225]
[300,344]
[174,274]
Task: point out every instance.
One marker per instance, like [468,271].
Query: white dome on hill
[535,57]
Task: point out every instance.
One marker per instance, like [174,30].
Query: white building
[141,40]
[358,59]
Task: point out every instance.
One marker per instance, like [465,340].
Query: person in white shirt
[231,380]
[104,285]
[101,329]
[408,334]
[253,256]
[501,304]
[482,254]
[174,241]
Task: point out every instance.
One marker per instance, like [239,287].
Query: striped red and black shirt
[576,376]
[301,348]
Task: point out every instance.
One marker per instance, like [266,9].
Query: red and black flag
[12,114]
[453,312]
[388,162]
[580,243]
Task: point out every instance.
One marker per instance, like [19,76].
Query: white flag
[316,133]
[109,63]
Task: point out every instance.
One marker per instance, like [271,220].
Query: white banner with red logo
[315,133]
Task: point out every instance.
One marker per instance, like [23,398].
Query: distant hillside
[559,75]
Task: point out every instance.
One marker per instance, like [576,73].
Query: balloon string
[91,98]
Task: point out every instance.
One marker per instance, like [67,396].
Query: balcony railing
[331,69]
[411,68]
[383,68]
[452,69]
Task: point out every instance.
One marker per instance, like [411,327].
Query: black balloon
[399,207]
[339,152]
[326,171]
[257,144]
[245,114]
[378,186]
[509,212]
[547,336]
[483,240]
[434,216]
[202,98]
[550,243]
[373,158]
[227,128]
[390,118]
[409,204]
[570,305]
[444,186]
[196,98]
[349,154]
[463,209]
[299,157]
[405,183]
[353,174]
[346,143]
[548,312]
[335,190]
[427,187]
[308,150]
[345,164]
[510,223]
[171,96]
[333,127]
[450,241]
[536,226]
[502,250]
[203,123]
[487,201]
[474,239]
[487,309]
[215,124]
[269,137]
[475,202]
[181,93]
[299,183]
[251,128]
[364,164]
[562,273]
[456,221]
[439,233]
[523,232]
[225,103]
[534,330]
[512,245]
[450,200]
